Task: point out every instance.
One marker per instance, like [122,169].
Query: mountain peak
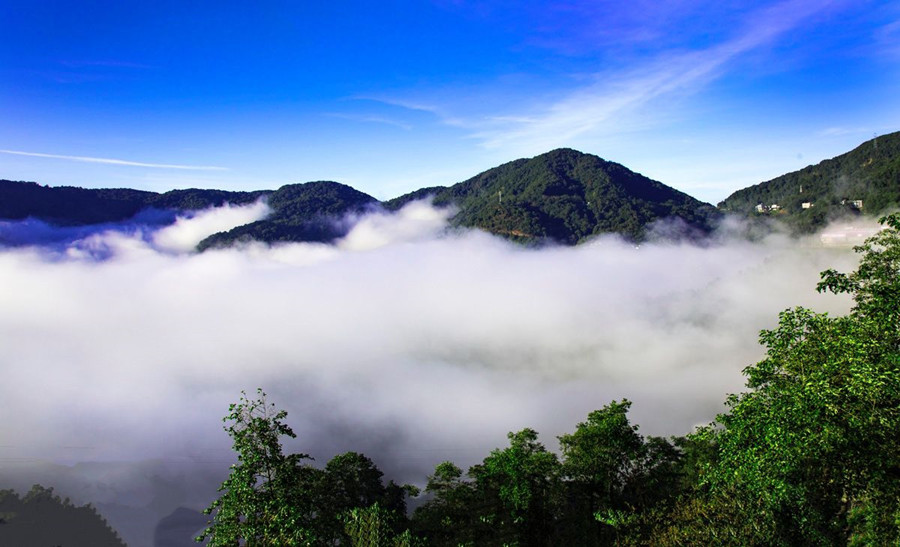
[300,212]
[568,196]
[565,152]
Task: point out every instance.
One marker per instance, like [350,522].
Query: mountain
[864,180]
[68,205]
[313,211]
[300,212]
[72,206]
[42,518]
[565,196]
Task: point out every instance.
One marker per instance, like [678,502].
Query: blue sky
[706,96]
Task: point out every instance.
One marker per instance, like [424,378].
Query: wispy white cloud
[441,112]
[370,119]
[82,63]
[841,131]
[111,161]
[615,96]
[888,37]
[617,100]
[187,231]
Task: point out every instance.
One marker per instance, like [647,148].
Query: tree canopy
[272,498]
[812,446]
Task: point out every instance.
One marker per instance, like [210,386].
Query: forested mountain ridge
[69,205]
[300,212]
[566,196]
[864,180]
[563,196]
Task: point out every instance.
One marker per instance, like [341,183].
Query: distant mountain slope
[313,211]
[42,518]
[68,205]
[196,199]
[71,206]
[567,196]
[422,193]
[864,180]
[300,212]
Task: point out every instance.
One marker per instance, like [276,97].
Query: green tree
[814,443]
[268,497]
[602,453]
[374,526]
[449,518]
[612,475]
[517,485]
[351,481]
[599,459]
[510,499]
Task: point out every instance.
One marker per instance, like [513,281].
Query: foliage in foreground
[271,498]
[810,454]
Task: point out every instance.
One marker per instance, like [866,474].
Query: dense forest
[808,455]
[565,196]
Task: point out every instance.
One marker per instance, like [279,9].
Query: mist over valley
[405,340]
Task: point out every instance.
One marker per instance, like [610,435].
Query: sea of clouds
[405,340]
